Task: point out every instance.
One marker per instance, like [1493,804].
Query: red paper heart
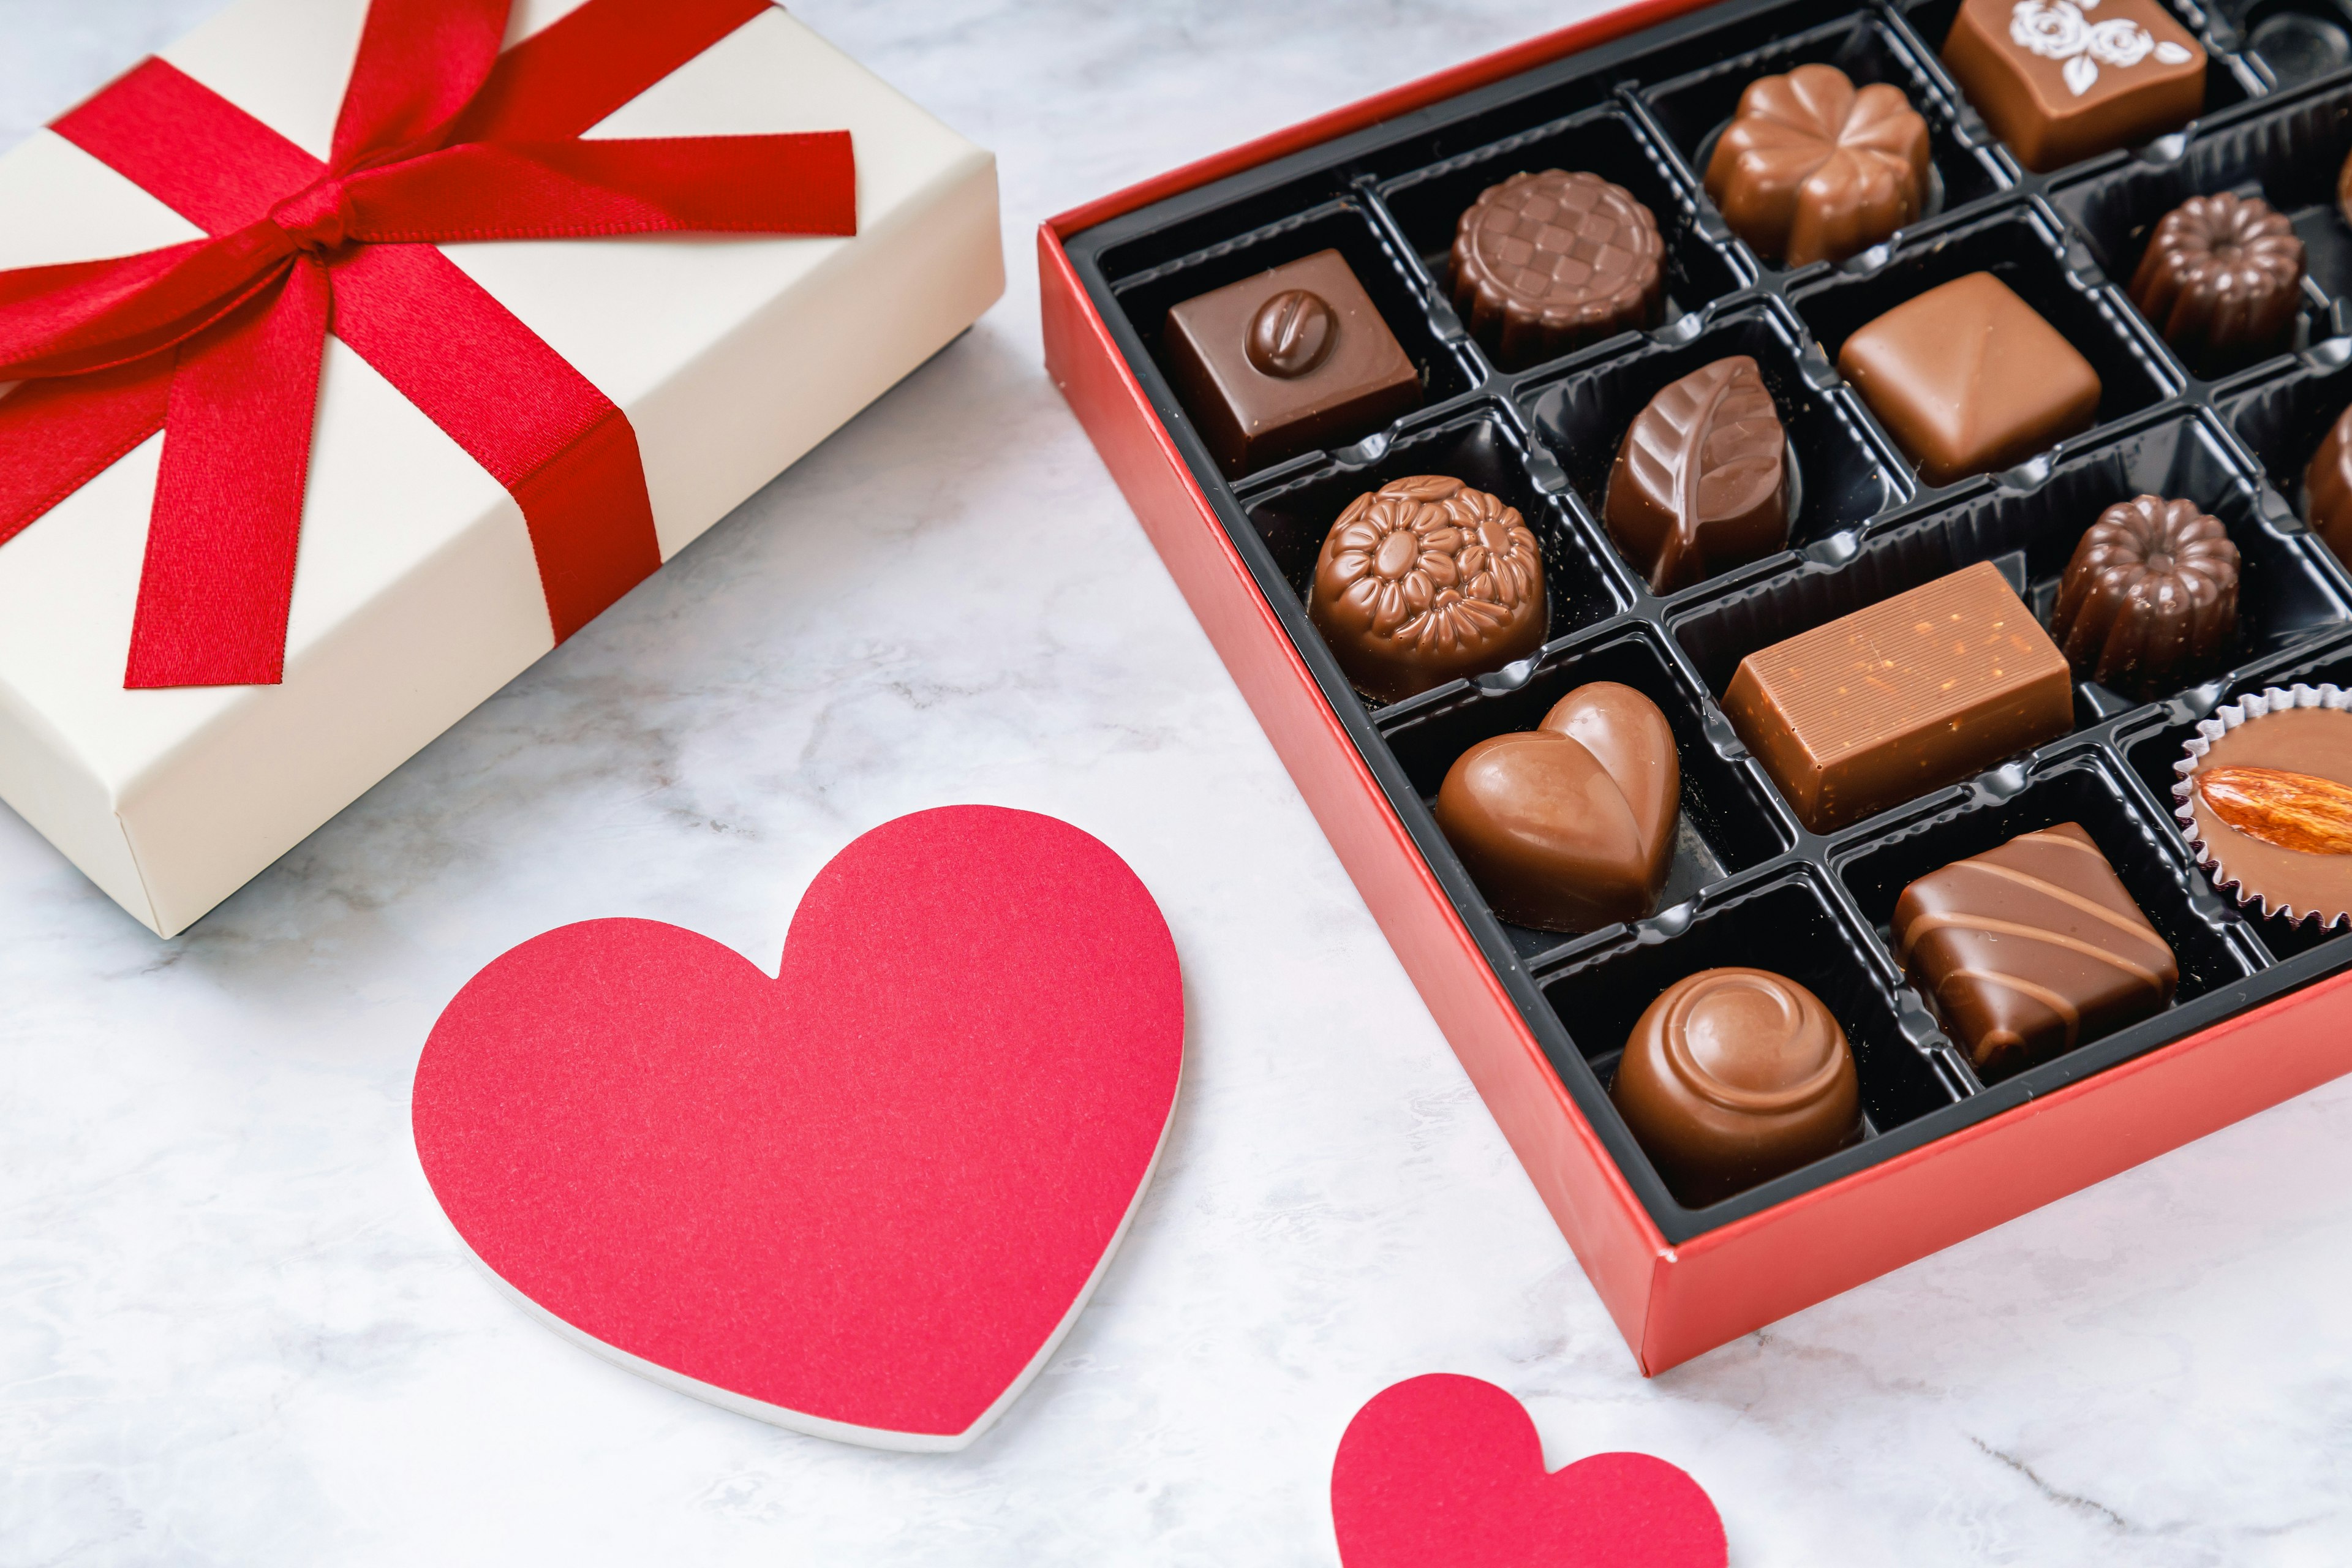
[1447,1472]
[864,1199]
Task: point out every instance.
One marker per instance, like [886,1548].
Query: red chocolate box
[2262,1010]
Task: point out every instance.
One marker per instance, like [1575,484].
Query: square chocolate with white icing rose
[2061,80]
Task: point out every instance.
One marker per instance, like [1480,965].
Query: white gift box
[418,594]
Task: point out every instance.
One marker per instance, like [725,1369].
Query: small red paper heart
[1447,1472]
[865,1198]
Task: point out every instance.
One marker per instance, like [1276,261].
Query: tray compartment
[2023,247]
[2288,156]
[2084,788]
[1843,479]
[1692,109]
[2281,419]
[2229,80]
[1344,225]
[1792,925]
[1480,445]
[1728,823]
[1427,204]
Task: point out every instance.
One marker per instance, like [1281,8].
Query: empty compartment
[2291,42]
[2288,157]
[2018,246]
[1481,447]
[1342,225]
[1692,109]
[1841,479]
[1792,927]
[1428,203]
[1727,823]
[2084,789]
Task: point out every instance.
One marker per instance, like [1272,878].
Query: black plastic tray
[1750,884]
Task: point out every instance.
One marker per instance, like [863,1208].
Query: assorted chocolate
[1547,262]
[1569,827]
[1425,580]
[2032,949]
[1701,480]
[2222,279]
[1813,169]
[2266,801]
[2027,951]
[1969,379]
[1288,361]
[1901,696]
[2060,80]
[1734,1075]
[2149,597]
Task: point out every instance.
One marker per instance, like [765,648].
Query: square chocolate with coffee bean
[1290,360]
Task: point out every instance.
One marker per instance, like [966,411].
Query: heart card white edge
[818,1426]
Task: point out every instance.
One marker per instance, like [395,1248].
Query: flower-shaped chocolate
[1811,170]
[2151,593]
[1424,580]
[2221,277]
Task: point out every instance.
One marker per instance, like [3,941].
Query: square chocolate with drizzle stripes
[2032,949]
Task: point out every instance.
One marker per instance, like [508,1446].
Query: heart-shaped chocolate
[1569,827]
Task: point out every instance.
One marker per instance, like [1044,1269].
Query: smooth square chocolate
[1969,379]
[2063,80]
[1286,361]
[2032,949]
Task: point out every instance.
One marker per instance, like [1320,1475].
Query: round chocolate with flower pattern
[1425,580]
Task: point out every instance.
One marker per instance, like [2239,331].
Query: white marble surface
[232,1328]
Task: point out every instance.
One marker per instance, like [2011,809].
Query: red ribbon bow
[217,341]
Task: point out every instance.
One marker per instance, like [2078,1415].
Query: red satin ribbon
[217,341]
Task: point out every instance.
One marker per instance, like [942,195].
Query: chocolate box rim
[1379,110]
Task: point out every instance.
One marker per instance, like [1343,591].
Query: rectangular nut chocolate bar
[1901,696]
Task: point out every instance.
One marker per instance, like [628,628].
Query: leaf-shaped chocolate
[1701,483]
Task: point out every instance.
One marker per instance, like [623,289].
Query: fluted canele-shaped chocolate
[1570,825]
[2150,597]
[1810,169]
[2032,949]
[2327,487]
[2222,279]
[1701,481]
[1424,580]
[1734,1075]
[1547,262]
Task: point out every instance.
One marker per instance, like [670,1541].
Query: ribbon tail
[218,581]
[57,436]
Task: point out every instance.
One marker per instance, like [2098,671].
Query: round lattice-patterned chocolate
[1544,263]
[1424,580]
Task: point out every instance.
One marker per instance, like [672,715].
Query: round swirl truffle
[2150,596]
[1545,263]
[1424,580]
[1733,1077]
[2222,279]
